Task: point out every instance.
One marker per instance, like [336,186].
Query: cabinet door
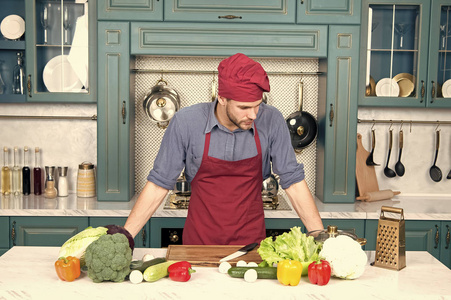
[10,45]
[337,117]
[328,12]
[394,53]
[44,231]
[4,234]
[445,250]
[61,51]
[244,11]
[115,109]
[224,40]
[420,236]
[141,239]
[439,65]
[139,10]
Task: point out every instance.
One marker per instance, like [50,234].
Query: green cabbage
[76,245]
[293,245]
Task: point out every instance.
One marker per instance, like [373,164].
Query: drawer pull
[447,237]
[230,17]
[437,237]
[13,233]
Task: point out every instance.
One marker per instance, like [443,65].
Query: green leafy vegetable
[76,245]
[293,245]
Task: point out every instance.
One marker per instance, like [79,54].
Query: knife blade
[240,252]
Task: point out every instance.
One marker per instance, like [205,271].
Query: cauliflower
[108,258]
[345,255]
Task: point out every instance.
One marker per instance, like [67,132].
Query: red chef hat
[242,79]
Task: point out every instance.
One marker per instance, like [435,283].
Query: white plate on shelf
[12,27]
[446,89]
[59,76]
[387,87]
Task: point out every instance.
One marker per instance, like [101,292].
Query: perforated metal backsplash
[195,88]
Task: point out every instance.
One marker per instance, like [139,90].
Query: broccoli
[108,258]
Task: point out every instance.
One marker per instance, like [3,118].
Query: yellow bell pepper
[289,272]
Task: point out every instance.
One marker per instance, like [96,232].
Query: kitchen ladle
[434,171]
[449,175]
[387,171]
[399,167]
[370,160]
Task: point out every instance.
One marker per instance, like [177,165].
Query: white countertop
[28,273]
[415,208]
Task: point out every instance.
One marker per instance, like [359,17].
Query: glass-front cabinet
[61,51]
[405,54]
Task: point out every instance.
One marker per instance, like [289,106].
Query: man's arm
[147,203]
[304,204]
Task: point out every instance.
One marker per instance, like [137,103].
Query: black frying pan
[302,125]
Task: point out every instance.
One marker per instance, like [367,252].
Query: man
[227,148]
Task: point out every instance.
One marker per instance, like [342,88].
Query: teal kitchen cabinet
[8,51]
[337,115]
[431,236]
[244,11]
[44,231]
[115,109]
[405,52]
[138,10]
[61,51]
[328,12]
[445,250]
[4,235]
[197,39]
[141,239]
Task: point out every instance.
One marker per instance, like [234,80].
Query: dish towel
[79,53]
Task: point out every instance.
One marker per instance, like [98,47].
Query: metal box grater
[391,240]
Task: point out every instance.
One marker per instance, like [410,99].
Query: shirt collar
[213,121]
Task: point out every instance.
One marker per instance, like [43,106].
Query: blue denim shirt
[183,145]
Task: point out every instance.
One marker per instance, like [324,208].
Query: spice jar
[86,183]
[62,182]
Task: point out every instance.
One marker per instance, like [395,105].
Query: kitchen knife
[240,252]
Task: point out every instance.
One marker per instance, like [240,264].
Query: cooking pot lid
[330,232]
[162,109]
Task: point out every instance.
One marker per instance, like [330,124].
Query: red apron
[225,206]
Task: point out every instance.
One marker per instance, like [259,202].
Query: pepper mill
[50,190]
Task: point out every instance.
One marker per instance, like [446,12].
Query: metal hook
[410,126]
[438,125]
[391,125]
[374,123]
[402,122]
[162,75]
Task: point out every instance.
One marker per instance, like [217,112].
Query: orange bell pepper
[68,268]
[289,272]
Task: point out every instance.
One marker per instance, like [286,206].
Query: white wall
[63,142]
[418,151]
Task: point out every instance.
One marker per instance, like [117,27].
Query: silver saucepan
[161,103]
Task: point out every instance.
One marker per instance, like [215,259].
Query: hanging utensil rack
[406,122]
[92,118]
[160,71]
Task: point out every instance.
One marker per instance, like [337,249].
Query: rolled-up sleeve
[169,162]
[283,158]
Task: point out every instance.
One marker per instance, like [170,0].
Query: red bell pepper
[180,271]
[319,272]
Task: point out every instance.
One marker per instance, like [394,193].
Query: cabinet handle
[422,91]
[230,17]
[433,91]
[13,233]
[447,237]
[437,237]
[143,236]
[302,1]
[331,115]
[29,85]
[123,112]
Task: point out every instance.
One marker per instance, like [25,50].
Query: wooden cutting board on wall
[209,255]
[365,175]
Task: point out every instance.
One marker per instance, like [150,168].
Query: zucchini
[262,272]
[158,271]
[143,265]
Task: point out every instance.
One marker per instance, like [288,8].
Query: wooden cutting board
[365,175]
[209,255]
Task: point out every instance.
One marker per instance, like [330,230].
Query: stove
[177,201]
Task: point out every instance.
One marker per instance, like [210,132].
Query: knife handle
[249,247]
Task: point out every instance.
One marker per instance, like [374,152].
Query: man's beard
[235,121]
